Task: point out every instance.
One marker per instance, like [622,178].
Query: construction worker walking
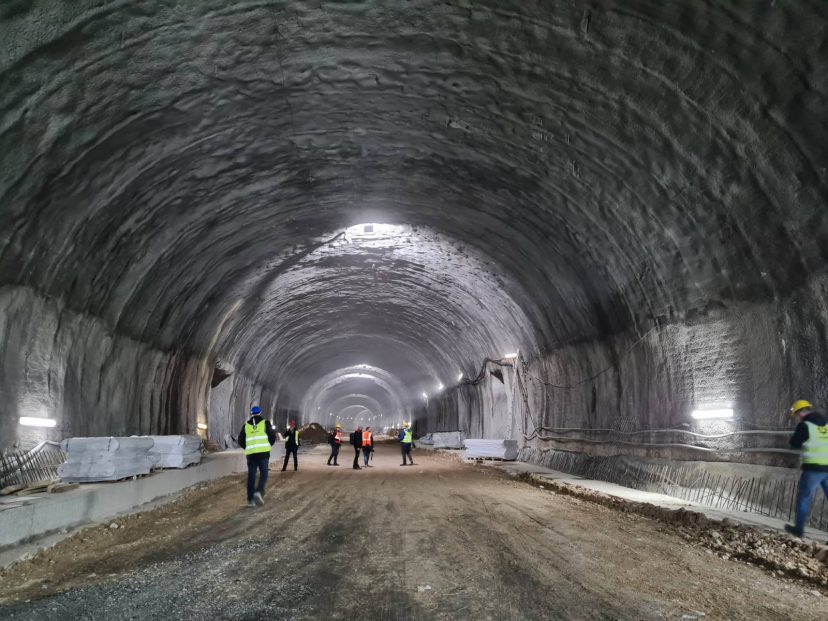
[356,441]
[335,440]
[256,437]
[291,445]
[406,439]
[367,445]
[811,436]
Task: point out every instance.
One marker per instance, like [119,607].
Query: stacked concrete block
[175,451]
[493,449]
[105,459]
[443,439]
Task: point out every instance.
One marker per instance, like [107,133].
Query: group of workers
[257,436]
[363,441]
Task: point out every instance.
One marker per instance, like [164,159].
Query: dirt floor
[439,540]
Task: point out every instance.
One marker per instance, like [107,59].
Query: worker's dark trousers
[356,457]
[405,447]
[288,451]
[256,461]
[334,454]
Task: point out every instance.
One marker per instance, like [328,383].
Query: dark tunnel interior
[359,211]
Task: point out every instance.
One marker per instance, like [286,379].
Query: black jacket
[800,435]
[255,420]
[356,438]
[290,438]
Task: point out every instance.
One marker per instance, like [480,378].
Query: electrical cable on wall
[519,365]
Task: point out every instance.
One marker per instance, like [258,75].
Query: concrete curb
[42,515]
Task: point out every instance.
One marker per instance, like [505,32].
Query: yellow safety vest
[255,439]
[815,448]
[407,439]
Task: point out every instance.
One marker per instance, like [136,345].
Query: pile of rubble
[313,433]
[782,554]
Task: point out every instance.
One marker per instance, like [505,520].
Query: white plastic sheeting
[175,451]
[105,459]
[443,439]
[497,449]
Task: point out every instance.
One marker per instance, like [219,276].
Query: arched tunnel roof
[304,187]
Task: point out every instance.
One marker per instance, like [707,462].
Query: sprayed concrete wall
[590,396]
[75,369]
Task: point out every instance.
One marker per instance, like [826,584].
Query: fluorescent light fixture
[202,425]
[510,356]
[459,377]
[711,412]
[36,421]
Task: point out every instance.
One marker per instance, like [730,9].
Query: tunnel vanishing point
[570,224]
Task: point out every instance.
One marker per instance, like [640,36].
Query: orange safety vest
[367,440]
[338,437]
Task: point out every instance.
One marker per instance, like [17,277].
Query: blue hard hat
[255,410]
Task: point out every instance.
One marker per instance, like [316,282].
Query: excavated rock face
[350,203]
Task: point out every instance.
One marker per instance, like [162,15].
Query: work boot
[250,504]
[257,498]
[357,468]
[790,528]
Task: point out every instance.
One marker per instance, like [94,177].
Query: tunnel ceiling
[199,175]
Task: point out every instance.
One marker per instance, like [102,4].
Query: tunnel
[576,225]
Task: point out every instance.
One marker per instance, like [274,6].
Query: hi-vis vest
[295,436]
[815,448]
[338,437]
[407,437]
[255,439]
[366,438]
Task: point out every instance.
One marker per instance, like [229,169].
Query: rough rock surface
[189,183]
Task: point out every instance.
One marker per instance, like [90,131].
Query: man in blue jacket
[256,437]
[811,436]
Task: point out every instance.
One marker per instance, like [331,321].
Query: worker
[335,440]
[291,445]
[256,437]
[406,439]
[367,445]
[356,441]
[811,436]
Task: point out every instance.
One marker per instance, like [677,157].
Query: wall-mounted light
[459,377]
[425,396]
[36,421]
[440,386]
[510,356]
[202,425]
[712,412]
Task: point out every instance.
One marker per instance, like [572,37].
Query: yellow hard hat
[338,426]
[800,405]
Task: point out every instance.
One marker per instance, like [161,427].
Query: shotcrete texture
[339,207]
